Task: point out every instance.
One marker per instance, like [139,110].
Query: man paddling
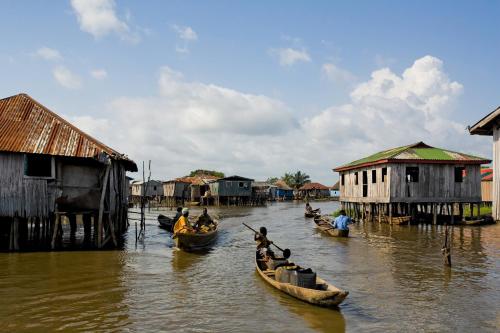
[310,210]
[342,221]
[263,243]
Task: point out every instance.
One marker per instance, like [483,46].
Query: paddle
[249,227]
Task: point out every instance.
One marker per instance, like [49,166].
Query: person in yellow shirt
[182,225]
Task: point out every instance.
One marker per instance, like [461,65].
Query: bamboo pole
[101,206]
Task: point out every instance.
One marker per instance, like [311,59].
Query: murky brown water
[394,274]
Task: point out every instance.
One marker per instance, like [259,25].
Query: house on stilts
[54,177]
[490,126]
[401,184]
[234,191]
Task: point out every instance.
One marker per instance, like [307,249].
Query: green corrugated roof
[418,151]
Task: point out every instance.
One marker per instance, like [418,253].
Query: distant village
[205,187]
[52,171]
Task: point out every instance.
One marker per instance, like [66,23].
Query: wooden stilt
[101,207]
[434,214]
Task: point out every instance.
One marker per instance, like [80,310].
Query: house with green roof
[402,180]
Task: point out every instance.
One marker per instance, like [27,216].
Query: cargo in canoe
[323,224]
[312,214]
[196,241]
[166,222]
[324,294]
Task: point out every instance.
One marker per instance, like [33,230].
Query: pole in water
[446,249]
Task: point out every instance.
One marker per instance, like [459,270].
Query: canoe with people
[168,223]
[196,236]
[301,283]
[310,212]
[324,224]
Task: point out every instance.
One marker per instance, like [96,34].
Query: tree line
[294,180]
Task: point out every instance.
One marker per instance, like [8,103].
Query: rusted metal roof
[313,186]
[26,126]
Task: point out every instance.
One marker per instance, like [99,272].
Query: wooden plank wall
[377,192]
[496,171]
[24,197]
[230,188]
[436,184]
[487,191]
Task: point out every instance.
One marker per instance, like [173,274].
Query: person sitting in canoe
[263,244]
[342,221]
[178,214]
[204,222]
[310,210]
[182,225]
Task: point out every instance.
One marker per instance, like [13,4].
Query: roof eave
[416,161]
[484,126]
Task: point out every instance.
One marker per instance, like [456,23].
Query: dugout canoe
[197,241]
[325,294]
[324,226]
[166,222]
[313,214]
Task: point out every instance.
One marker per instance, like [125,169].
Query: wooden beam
[101,206]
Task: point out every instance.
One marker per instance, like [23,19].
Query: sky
[257,88]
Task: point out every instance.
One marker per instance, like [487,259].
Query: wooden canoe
[196,241]
[323,225]
[313,214]
[325,294]
[399,220]
[166,222]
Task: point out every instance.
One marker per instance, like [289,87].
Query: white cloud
[99,18]
[289,56]
[200,125]
[66,78]
[337,74]
[185,33]
[99,74]
[47,53]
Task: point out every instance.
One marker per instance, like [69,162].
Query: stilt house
[490,126]
[234,190]
[314,191]
[176,191]
[411,179]
[50,169]
[150,189]
[283,191]
[263,191]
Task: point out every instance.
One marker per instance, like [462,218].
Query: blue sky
[257,88]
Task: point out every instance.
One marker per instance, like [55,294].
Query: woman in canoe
[182,225]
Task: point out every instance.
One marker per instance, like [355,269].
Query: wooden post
[14,234]
[57,222]
[379,214]
[434,213]
[72,224]
[101,206]
[390,213]
[87,228]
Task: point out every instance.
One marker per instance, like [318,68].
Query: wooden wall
[175,189]
[436,184]
[231,188]
[151,191]
[496,171]
[377,192]
[487,191]
[76,187]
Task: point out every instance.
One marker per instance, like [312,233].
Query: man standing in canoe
[342,221]
[182,225]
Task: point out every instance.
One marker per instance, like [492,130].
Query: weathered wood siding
[20,196]
[496,172]
[232,188]
[378,192]
[436,184]
[75,188]
[175,189]
[153,188]
[487,191]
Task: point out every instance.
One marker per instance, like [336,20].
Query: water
[394,274]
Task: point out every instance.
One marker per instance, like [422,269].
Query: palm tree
[288,179]
[300,178]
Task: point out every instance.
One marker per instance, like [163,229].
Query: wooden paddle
[249,227]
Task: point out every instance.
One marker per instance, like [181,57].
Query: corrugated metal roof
[419,152]
[27,126]
[486,174]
